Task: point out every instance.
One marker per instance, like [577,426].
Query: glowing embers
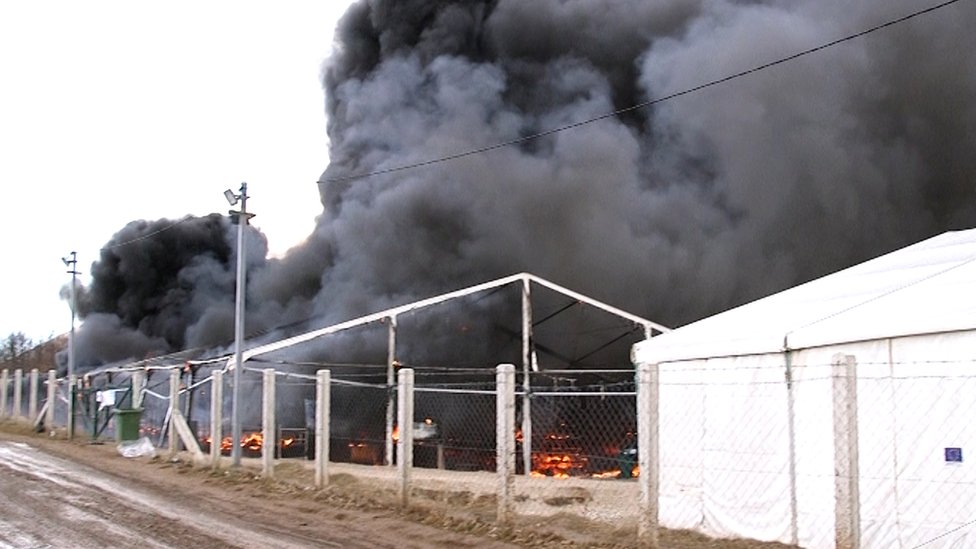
[291,443]
[558,458]
[561,457]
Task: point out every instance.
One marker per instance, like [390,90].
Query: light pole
[235,416]
[72,265]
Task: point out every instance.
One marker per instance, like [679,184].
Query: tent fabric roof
[929,287]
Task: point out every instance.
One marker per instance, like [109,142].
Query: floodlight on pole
[231,197]
[235,416]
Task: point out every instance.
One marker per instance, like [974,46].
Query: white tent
[841,412]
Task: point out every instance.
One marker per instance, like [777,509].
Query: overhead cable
[638,106]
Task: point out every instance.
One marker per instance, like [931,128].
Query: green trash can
[127,423]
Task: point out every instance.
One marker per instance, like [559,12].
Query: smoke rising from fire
[672,212]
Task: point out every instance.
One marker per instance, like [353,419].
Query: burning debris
[291,443]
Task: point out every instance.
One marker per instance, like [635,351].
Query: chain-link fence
[914,440]
[582,456]
[817,451]
[803,449]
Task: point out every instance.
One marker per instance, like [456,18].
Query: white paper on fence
[137,448]
[105,398]
[423,430]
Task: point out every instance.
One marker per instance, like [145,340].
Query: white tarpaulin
[745,453]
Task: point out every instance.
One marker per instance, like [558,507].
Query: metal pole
[73,271]
[391,399]
[526,382]
[235,414]
[73,264]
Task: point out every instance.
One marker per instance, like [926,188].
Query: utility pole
[72,265]
[235,414]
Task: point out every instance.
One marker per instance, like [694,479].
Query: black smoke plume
[673,212]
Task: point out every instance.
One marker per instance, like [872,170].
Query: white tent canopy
[922,289]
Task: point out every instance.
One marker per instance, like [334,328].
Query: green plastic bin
[127,423]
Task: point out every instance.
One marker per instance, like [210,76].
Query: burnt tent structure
[576,381]
[561,339]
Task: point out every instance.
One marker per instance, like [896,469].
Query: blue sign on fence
[953,455]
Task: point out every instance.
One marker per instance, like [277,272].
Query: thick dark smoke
[162,286]
[673,212]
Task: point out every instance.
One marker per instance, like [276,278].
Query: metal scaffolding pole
[391,396]
[526,381]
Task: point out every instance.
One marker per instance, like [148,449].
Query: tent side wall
[725,452]
[728,468]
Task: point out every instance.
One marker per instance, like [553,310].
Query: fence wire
[792,449]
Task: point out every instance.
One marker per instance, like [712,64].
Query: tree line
[20,351]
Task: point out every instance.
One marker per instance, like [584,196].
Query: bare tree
[15,346]
[19,351]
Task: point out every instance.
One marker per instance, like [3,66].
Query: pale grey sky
[112,111]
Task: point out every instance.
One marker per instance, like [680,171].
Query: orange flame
[252,442]
[560,459]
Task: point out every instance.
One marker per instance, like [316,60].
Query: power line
[148,235]
[638,106]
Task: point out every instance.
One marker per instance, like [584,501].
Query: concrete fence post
[174,409]
[138,381]
[268,424]
[846,479]
[32,394]
[18,392]
[505,440]
[4,388]
[216,417]
[648,454]
[405,442]
[72,384]
[52,399]
[323,392]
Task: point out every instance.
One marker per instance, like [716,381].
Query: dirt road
[49,502]
[68,494]
[60,494]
